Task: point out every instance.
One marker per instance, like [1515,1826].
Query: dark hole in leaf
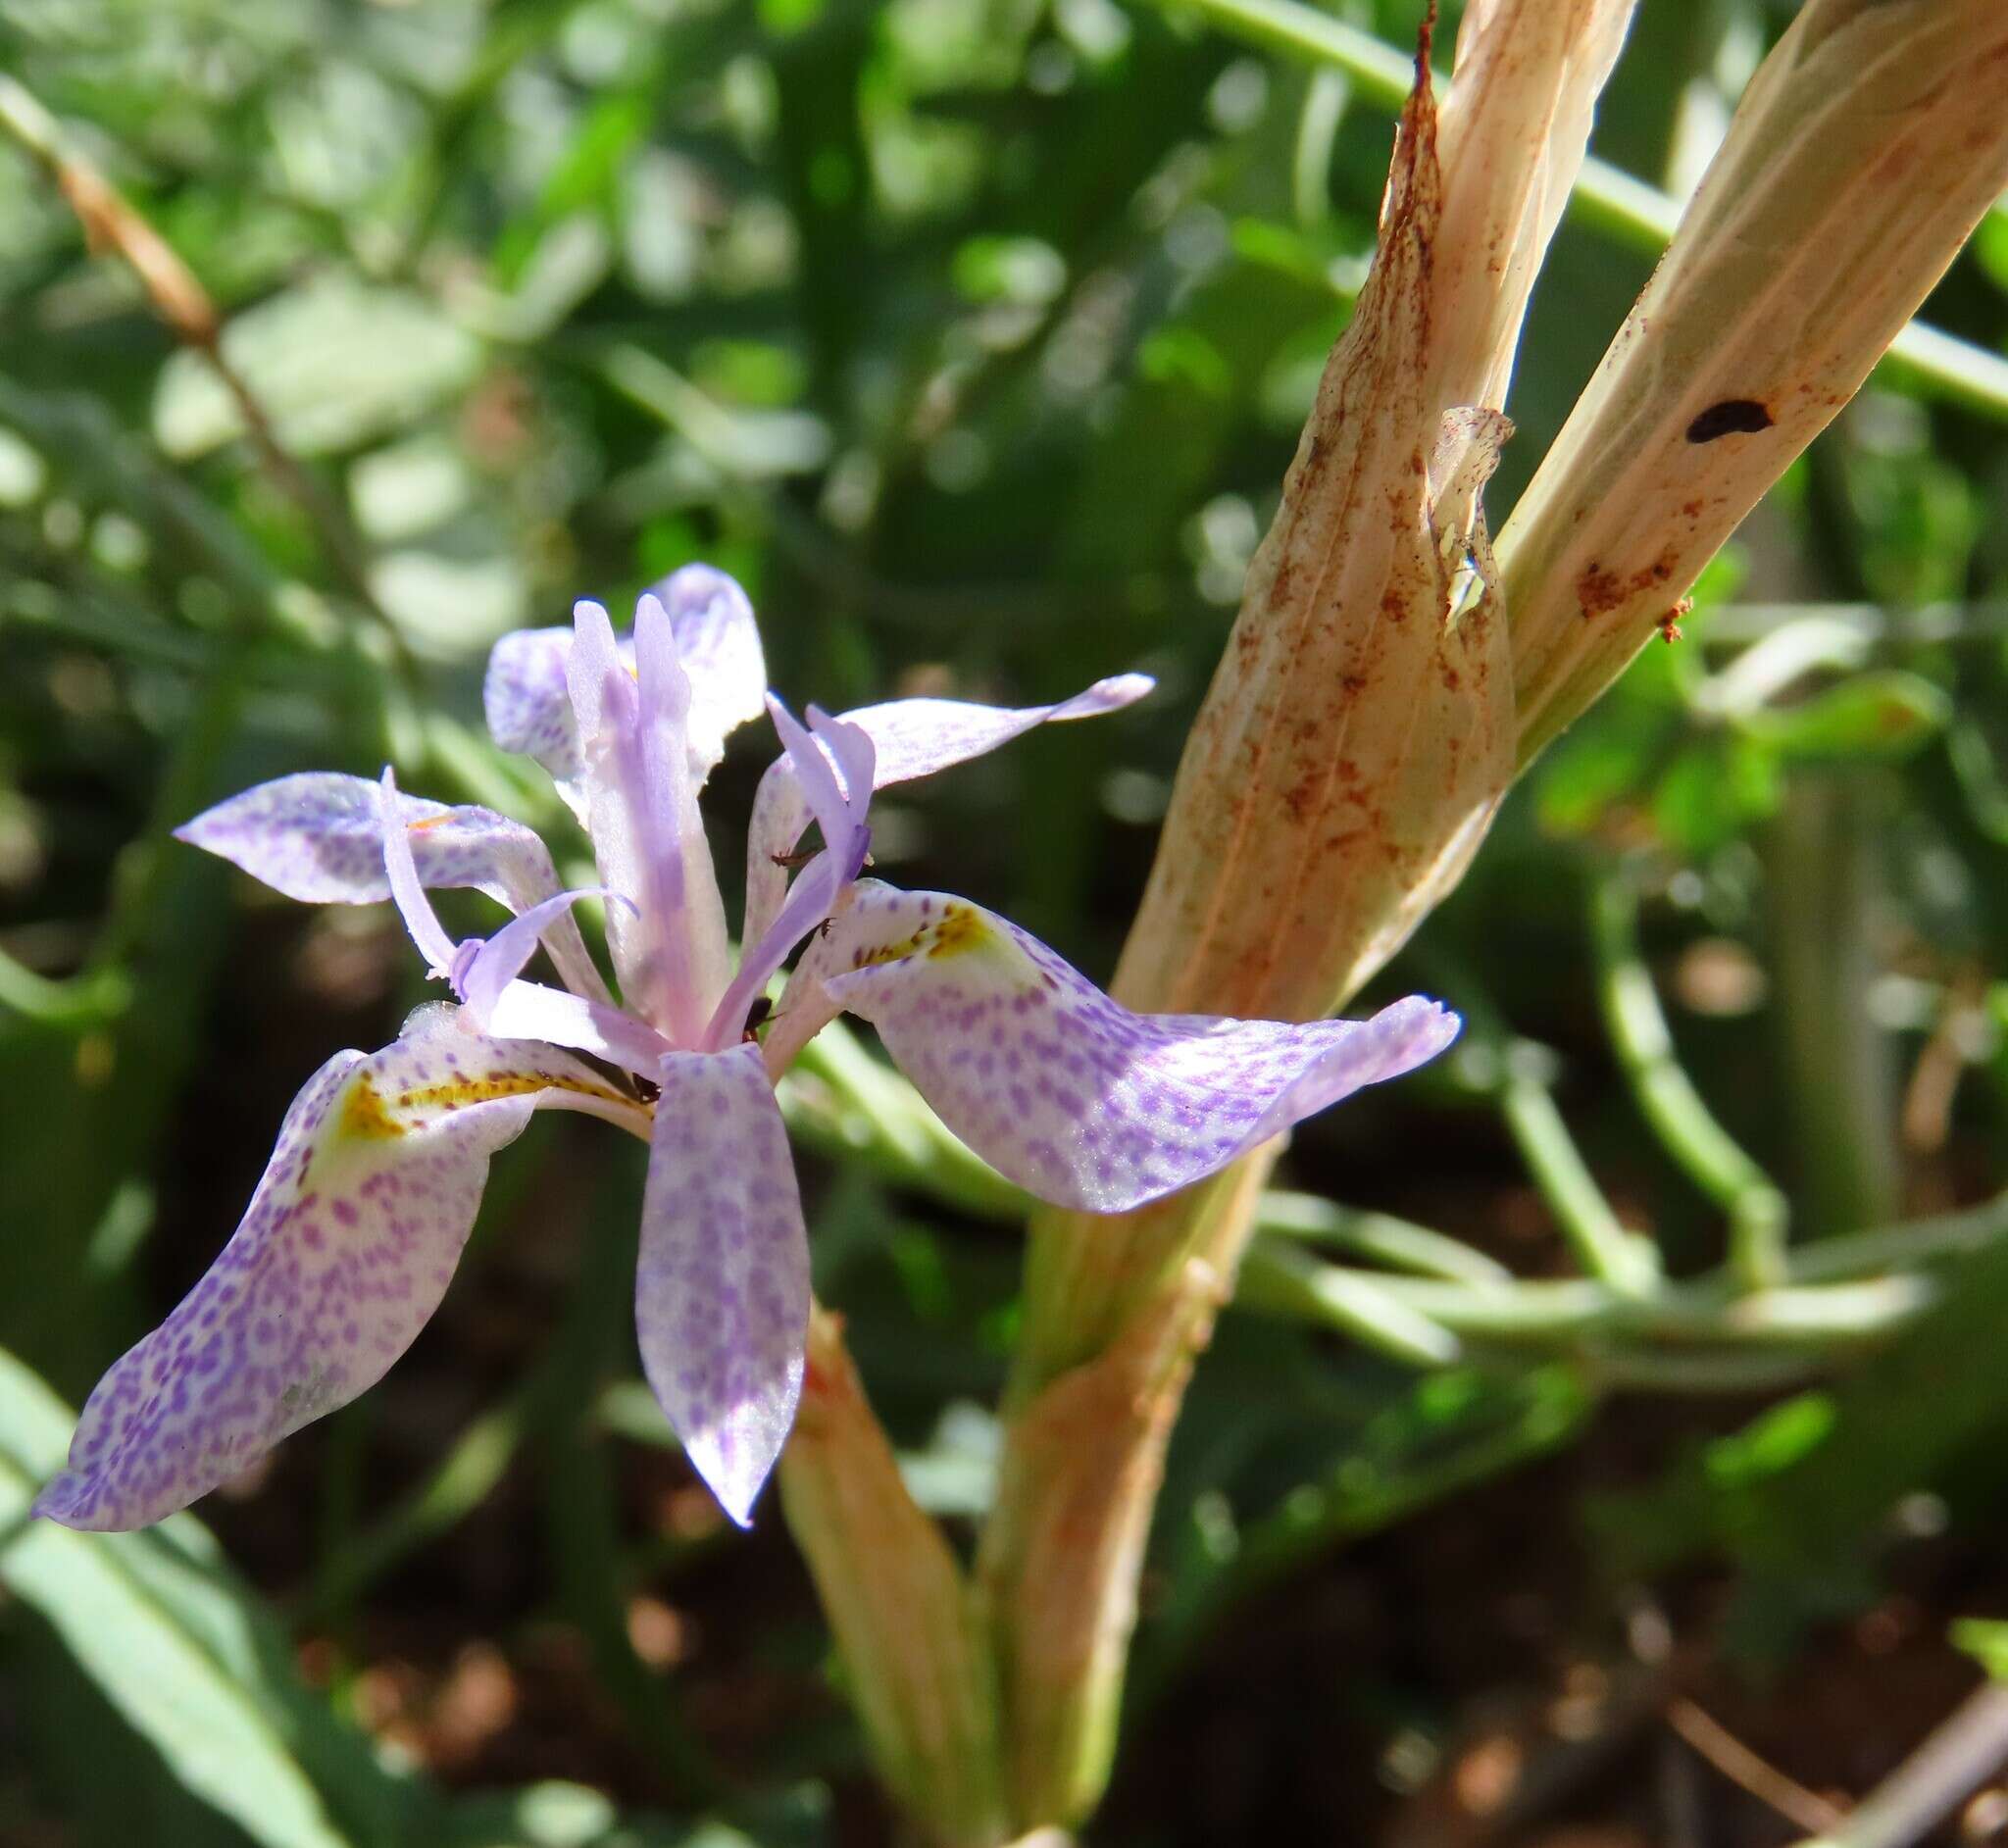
[1732,416]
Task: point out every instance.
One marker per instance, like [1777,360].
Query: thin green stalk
[82,1001]
[1622,1260]
[1668,1100]
[1357,1303]
[455,1487]
[1395,1243]
[1820,879]
[1571,1314]
[1921,1242]
[1606,198]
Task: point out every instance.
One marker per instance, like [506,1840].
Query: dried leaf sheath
[1352,747]
[1357,735]
[1863,154]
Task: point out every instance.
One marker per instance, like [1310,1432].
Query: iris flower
[354,1231]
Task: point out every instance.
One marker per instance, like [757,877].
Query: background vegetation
[974,335]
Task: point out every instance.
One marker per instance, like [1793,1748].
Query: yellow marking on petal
[455,1092]
[960,931]
[362,1115]
[430,820]
[956,932]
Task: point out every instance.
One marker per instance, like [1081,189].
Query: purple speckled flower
[355,1228]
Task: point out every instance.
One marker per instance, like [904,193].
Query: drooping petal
[340,1260]
[1064,1090]
[318,837]
[722,1296]
[717,642]
[913,738]
[529,705]
[668,944]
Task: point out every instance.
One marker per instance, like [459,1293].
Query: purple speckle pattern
[341,1258]
[721,1295]
[318,837]
[913,738]
[1079,1101]
[524,695]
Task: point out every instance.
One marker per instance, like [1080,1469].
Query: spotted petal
[1062,1089]
[722,1297]
[525,696]
[530,707]
[340,1260]
[913,738]
[318,837]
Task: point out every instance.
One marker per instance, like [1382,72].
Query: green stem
[1575,1313]
[1667,1098]
[1820,885]
[1289,1281]
[1622,1259]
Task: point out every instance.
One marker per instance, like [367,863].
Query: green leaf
[334,363]
[1875,716]
[186,1657]
[1985,1641]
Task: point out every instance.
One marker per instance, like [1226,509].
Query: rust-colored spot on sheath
[1302,795]
[1600,590]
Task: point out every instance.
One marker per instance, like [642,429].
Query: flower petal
[1063,1089]
[341,1258]
[530,706]
[318,837]
[722,1296]
[668,942]
[717,642]
[913,738]
[834,766]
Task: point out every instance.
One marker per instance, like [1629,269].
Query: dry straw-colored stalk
[919,1672]
[1862,156]
[1382,684]
[1355,742]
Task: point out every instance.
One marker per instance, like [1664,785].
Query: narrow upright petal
[717,642]
[721,1298]
[529,703]
[318,837]
[668,942]
[408,891]
[342,1257]
[912,738]
[833,761]
[1062,1089]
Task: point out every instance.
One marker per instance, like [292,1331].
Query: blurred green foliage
[975,336]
